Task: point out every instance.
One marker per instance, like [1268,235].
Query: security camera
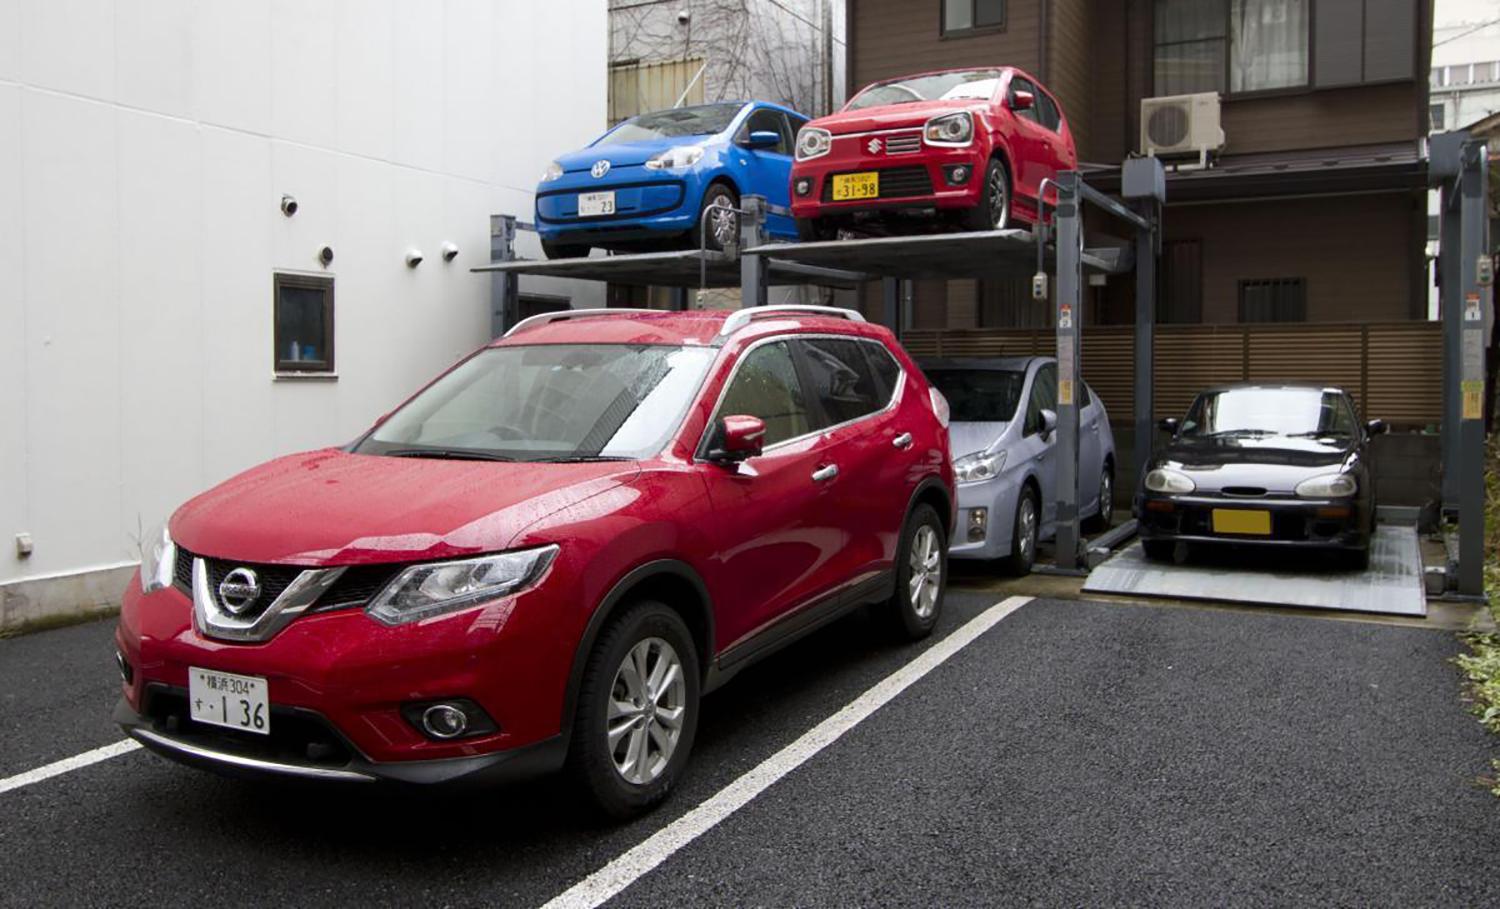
[325,255]
[413,258]
[684,17]
[288,205]
[450,252]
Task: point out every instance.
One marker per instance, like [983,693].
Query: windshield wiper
[578,459]
[1320,434]
[1230,433]
[450,454]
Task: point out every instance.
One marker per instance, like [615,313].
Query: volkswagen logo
[600,168]
[874,146]
[239,590]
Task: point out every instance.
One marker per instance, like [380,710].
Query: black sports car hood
[1274,463]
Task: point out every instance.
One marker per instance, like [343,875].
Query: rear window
[980,395]
[842,378]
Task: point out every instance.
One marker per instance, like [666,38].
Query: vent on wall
[1179,125]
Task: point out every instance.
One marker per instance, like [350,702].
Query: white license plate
[226,699]
[592,205]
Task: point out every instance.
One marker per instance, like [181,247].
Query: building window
[1435,116]
[967,16]
[304,323]
[1234,45]
[1273,300]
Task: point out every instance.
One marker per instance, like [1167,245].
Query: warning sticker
[1065,315]
[1472,310]
[1473,406]
[1065,391]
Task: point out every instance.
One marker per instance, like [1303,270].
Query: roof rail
[563,314]
[742,317]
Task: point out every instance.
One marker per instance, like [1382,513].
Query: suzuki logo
[600,168]
[874,146]
[239,590]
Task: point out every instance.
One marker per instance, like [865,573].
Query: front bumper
[648,204]
[998,497]
[1332,524]
[917,180]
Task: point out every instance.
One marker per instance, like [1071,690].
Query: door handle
[902,441]
[824,474]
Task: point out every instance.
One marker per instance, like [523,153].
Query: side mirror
[1377,428]
[762,138]
[1049,423]
[740,437]
[1022,100]
[1169,424]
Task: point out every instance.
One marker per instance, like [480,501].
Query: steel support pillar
[1069,319]
[890,297]
[678,300]
[753,271]
[1450,305]
[1475,306]
[1144,184]
[505,288]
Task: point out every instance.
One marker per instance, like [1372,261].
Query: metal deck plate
[982,254]
[684,268]
[1392,585]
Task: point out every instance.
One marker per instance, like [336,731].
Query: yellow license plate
[856,186]
[1256,523]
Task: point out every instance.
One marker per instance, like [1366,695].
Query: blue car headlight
[554,171]
[676,157]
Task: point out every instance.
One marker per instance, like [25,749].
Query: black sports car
[1280,465]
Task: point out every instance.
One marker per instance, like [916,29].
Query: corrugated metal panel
[1393,369]
[639,88]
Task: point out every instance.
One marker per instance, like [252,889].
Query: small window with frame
[1273,300]
[970,17]
[303,310]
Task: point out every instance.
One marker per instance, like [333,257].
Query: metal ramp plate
[981,254]
[1392,585]
[684,268]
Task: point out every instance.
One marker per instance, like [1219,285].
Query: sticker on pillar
[1472,310]
[1065,391]
[1473,394]
[1065,315]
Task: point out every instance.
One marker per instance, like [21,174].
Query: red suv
[972,144]
[547,555]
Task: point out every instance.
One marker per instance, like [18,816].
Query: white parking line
[67,765]
[603,884]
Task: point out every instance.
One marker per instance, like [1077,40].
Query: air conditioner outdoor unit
[1181,125]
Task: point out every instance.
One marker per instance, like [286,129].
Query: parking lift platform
[1393,584]
[978,254]
[675,268]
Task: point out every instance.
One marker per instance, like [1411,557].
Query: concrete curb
[33,605]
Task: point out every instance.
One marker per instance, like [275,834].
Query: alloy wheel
[1106,499]
[722,221]
[1026,525]
[647,707]
[926,563]
[999,199]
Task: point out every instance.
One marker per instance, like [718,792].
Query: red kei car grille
[895,183]
[905,144]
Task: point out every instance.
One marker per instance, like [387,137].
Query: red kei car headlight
[813,142]
[949,130]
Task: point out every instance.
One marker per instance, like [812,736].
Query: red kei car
[547,555]
[971,144]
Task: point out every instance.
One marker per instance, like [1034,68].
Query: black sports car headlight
[1169,481]
[1328,486]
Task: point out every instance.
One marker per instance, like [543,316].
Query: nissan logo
[239,590]
[874,146]
[600,168]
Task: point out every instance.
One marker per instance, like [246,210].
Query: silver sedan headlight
[435,588]
[813,142]
[158,560]
[978,467]
[1328,486]
[1169,481]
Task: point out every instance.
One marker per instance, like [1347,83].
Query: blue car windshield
[678,123]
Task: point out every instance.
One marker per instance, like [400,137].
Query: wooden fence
[1393,369]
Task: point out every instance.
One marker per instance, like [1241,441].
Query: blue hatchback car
[645,184]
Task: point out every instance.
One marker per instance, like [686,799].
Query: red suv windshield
[549,402]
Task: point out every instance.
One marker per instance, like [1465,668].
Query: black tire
[1023,548]
[907,620]
[565,250]
[1101,520]
[1160,550]
[717,194]
[591,759]
[813,230]
[992,213]
[1358,559]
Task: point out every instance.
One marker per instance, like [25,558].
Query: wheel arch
[931,491]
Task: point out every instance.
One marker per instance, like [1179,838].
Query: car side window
[1043,397]
[1086,395]
[765,385]
[887,370]
[1050,117]
[1019,84]
[771,121]
[842,379]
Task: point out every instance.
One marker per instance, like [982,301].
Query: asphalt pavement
[1076,753]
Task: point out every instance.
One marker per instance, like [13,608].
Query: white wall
[144,148]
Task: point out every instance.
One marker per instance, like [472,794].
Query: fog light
[978,521]
[444,721]
[804,186]
[957,174]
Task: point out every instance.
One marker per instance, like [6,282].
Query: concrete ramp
[1273,577]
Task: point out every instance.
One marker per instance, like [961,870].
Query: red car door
[1031,147]
[776,531]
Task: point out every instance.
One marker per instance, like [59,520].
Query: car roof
[695,328]
[1296,386]
[1006,364]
